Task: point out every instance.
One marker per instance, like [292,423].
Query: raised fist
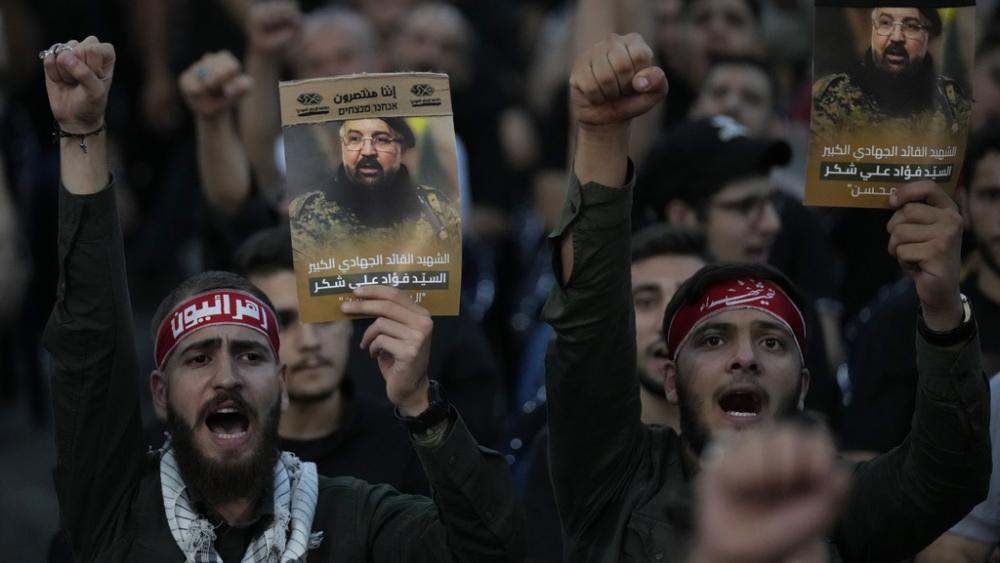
[614,81]
[274,26]
[214,84]
[768,496]
[77,79]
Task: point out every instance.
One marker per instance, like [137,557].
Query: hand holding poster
[373,184]
[896,107]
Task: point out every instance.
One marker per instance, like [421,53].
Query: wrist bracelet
[58,133]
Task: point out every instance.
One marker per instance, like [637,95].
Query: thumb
[650,80]
[238,87]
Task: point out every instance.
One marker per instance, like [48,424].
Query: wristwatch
[962,333]
[437,411]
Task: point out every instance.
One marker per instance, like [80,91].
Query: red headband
[747,293]
[221,307]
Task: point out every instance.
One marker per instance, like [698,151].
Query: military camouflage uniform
[846,102]
[401,213]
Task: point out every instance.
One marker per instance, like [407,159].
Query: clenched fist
[214,84]
[614,81]
[77,79]
[273,27]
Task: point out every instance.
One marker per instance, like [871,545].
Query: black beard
[217,483]
[695,432]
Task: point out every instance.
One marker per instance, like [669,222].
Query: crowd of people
[625,168]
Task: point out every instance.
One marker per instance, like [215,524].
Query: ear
[670,381]
[158,388]
[283,386]
[678,213]
[805,388]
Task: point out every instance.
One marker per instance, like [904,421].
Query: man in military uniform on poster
[372,192]
[895,79]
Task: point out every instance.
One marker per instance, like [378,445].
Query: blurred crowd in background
[508,61]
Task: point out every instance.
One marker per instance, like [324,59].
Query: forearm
[592,390]
[222,163]
[82,171]
[260,121]
[914,493]
[94,393]
[475,498]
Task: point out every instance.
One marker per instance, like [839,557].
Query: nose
[770,222]
[309,336]
[897,33]
[744,356]
[367,146]
[226,374]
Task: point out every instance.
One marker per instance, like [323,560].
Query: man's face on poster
[899,39]
[371,151]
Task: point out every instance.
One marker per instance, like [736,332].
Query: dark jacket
[109,490]
[623,489]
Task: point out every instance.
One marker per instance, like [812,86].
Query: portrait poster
[891,98]
[373,188]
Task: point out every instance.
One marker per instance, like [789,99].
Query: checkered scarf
[287,539]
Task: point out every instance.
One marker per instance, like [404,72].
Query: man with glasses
[895,79]
[372,192]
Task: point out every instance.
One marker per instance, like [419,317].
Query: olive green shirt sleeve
[591,383]
[904,499]
[474,516]
[94,394]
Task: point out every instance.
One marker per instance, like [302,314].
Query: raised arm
[94,388]
[903,500]
[475,515]
[272,28]
[593,391]
[211,88]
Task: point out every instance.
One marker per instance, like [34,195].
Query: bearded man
[220,490]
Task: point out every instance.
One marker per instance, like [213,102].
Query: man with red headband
[735,338]
[220,490]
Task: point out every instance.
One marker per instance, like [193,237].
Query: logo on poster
[309,99]
[422,90]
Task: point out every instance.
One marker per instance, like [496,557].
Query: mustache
[234,397]
[896,49]
[369,162]
[311,361]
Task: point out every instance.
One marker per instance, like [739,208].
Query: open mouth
[742,404]
[228,422]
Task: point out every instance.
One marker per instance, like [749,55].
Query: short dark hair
[981,143]
[662,240]
[751,61]
[753,5]
[265,252]
[694,287]
[200,283]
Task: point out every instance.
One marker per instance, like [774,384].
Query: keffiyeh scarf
[286,540]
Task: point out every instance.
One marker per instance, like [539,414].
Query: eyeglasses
[381,142]
[752,207]
[912,29]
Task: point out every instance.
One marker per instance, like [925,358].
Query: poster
[373,189]
[891,98]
